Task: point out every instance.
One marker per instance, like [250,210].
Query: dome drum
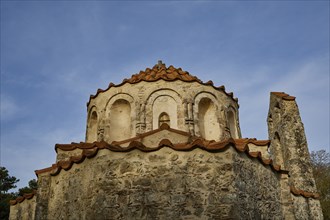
[139,104]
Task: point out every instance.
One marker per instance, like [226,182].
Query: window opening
[164,119]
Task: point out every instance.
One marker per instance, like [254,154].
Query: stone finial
[160,63]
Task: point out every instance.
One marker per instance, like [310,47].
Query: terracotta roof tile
[91,149]
[13,202]
[160,71]
[20,199]
[240,145]
[82,145]
[299,192]
[45,170]
[284,96]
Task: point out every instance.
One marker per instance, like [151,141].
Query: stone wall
[226,183]
[286,128]
[43,196]
[289,149]
[165,184]
[258,190]
[64,155]
[305,208]
[24,210]
[179,100]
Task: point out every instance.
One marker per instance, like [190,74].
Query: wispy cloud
[9,109]
[306,77]
[34,149]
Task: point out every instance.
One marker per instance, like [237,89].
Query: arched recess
[205,114]
[270,122]
[92,126]
[165,105]
[124,96]
[110,126]
[232,122]
[120,120]
[167,101]
[208,120]
[277,111]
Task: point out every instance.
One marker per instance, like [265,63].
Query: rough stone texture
[63,155]
[262,149]
[24,210]
[43,194]
[165,184]
[289,149]
[286,197]
[255,200]
[302,204]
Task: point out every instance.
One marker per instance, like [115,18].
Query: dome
[144,101]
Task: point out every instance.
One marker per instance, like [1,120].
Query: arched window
[120,120]
[207,120]
[92,127]
[164,119]
[277,105]
[164,104]
[232,124]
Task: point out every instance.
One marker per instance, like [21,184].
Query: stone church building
[165,145]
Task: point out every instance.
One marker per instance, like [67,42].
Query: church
[165,145]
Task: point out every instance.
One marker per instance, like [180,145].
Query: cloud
[309,82]
[9,109]
[307,77]
[21,158]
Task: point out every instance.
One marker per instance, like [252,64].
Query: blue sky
[54,54]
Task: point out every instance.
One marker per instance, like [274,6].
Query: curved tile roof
[20,199]
[83,145]
[160,71]
[91,149]
[299,192]
[284,96]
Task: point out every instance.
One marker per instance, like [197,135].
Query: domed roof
[160,71]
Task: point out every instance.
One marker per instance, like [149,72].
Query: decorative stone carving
[101,130]
[223,123]
[189,116]
[141,118]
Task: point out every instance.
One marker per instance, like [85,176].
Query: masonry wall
[24,210]
[289,149]
[165,184]
[258,190]
[305,208]
[146,100]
